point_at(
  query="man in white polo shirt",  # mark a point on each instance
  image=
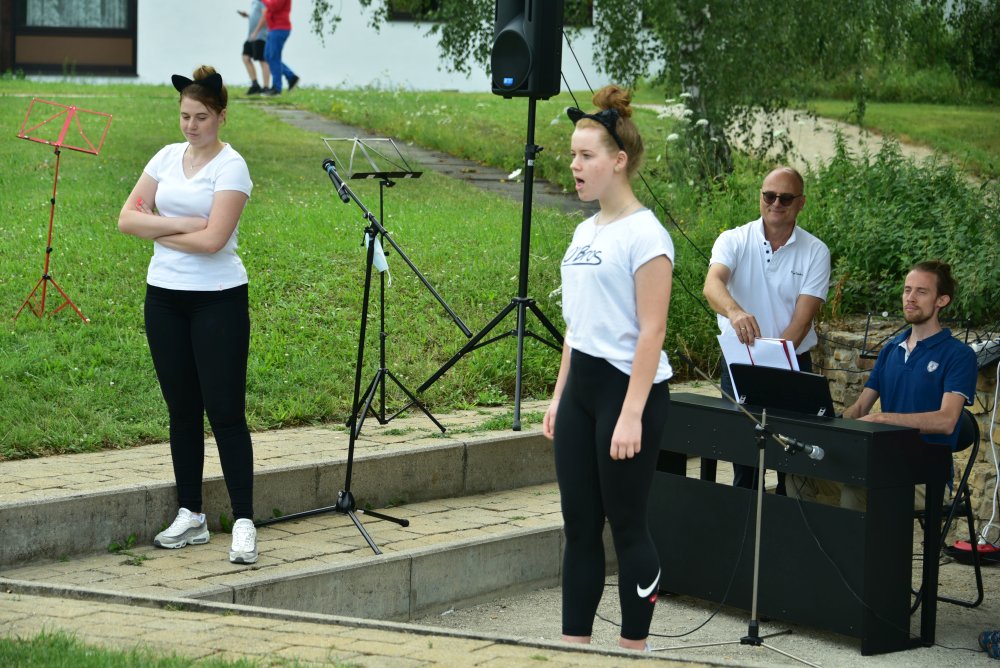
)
(769, 278)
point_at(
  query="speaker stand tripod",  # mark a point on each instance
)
(522, 303)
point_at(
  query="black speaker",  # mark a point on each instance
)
(527, 48)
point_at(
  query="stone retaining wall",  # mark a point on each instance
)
(839, 357)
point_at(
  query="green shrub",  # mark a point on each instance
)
(882, 213)
(899, 82)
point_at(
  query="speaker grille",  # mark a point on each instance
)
(510, 60)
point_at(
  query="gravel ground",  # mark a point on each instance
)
(535, 616)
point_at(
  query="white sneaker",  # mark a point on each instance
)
(244, 547)
(187, 528)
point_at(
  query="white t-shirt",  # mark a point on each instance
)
(177, 195)
(598, 286)
(767, 283)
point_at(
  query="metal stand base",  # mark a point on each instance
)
(346, 506)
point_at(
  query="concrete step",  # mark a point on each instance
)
(454, 552)
(65, 506)
(482, 508)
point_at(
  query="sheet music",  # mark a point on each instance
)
(778, 353)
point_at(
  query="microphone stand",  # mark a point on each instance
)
(761, 434)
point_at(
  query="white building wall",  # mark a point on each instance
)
(175, 36)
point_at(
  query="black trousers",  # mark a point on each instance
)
(200, 343)
(593, 486)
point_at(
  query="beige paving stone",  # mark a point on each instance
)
(329, 642)
(317, 654)
(380, 661)
(244, 644)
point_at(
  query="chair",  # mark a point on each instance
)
(961, 505)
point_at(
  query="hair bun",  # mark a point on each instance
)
(203, 72)
(614, 97)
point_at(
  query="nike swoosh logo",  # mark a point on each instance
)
(644, 593)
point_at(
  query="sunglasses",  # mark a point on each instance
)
(784, 198)
(608, 118)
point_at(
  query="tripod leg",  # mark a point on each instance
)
(361, 412)
(364, 534)
(27, 302)
(68, 302)
(383, 516)
(470, 345)
(518, 366)
(547, 324)
(413, 402)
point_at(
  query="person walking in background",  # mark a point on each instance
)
(188, 201)
(609, 406)
(253, 48)
(279, 27)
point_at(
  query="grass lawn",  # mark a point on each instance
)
(69, 386)
(969, 134)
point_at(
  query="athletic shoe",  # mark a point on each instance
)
(187, 529)
(270, 91)
(293, 82)
(254, 89)
(244, 547)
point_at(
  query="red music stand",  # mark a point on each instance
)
(53, 133)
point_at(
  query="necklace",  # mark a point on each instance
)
(601, 226)
(194, 165)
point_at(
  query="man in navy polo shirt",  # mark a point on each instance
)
(923, 377)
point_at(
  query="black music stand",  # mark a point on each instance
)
(380, 158)
(346, 503)
(782, 389)
(761, 434)
(522, 303)
(43, 130)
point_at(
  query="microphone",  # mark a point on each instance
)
(687, 360)
(331, 169)
(793, 445)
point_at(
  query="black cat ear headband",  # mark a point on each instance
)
(212, 82)
(608, 118)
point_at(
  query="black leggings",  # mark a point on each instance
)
(200, 342)
(592, 486)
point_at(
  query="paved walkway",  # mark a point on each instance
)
(482, 176)
(235, 632)
(144, 597)
(814, 138)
